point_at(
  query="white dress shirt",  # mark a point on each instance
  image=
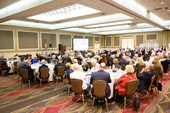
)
(79, 75)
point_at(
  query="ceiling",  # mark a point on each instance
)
(155, 6)
(111, 16)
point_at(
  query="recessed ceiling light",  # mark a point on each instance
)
(72, 11)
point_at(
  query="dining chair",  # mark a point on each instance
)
(44, 75)
(25, 76)
(60, 73)
(99, 87)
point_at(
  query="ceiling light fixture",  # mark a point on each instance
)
(72, 11)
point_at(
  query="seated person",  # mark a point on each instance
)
(116, 64)
(5, 66)
(30, 71)
(95, 65)
(132, 62)
(101, 75)
(165, 64)
(103, 59)
(43, 62)
(75, 61)
(68, 70)
(110, 61)
(57, 65)
(121, 82)
(79, 75)
(145, 77)
(54, 60)
(21, 63)
(34, 60)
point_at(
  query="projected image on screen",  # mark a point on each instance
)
(80, 44)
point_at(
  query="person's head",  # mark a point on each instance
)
(132, 62)
(115, 61)
(22, 59)
(129, 69)
(112, 56)
(43, 62)
(75, 61)
(2, 56)
(60, 61)
(53, 57)
(93, 62)
(68, 65)
(149, 67)
(35, 57)
(117, 55)
(140, 61)
(76, 67)
(102, 66)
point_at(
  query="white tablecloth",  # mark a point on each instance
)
(113, 77)
(50, 66)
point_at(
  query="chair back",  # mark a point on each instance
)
(131, 87)
(17, 70)
(140, 67)
(99, 88)
(77, 85)
(24, 74)
(150, 85)
(60, 71)
(168, 70)
(44, 72)
(146, 59)
(0, 67)
(123, 67)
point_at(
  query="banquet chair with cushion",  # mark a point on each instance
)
(2, 71)
(44, 74)
(77, 88)
(25, 76)
(18, 72)
(60, 73)
(131, 90)
(99, 87)
(149, 88)
(69, 86)
(140, 67)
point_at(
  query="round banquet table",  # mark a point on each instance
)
(50, 66)
(113, 76)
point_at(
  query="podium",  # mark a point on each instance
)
(63, 49)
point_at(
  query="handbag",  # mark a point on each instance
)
(159, 86)
(136, 102)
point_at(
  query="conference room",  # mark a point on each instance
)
(84, 56)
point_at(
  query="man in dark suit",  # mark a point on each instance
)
(163, 47)
(101, 75)
(57, 65)
(30, 71)
(145, 77)
(59, 48)
(143, 51)
(165, 64)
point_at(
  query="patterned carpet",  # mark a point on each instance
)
(50, 98)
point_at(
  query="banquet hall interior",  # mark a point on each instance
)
(92, 56)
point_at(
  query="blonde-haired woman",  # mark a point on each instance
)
(140, 61)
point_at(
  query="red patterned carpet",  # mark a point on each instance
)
(50, 98)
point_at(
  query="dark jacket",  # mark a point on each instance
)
(56, 66)
(123, 62)
(102, 75)
(165, 64)
(30, 71)
(144, 80)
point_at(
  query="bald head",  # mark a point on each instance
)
(76, 67)
(75, 61)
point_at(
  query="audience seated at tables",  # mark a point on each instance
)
(121, 82)
(4, 65)
(21, 63)
(79, 75)
(68, 70)
(57, 65)
(95, 65)
(34, 60)
(145, 77)
(116, 64)
(43, 62)
(75, 61)
(101, 75)
(30, 71)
